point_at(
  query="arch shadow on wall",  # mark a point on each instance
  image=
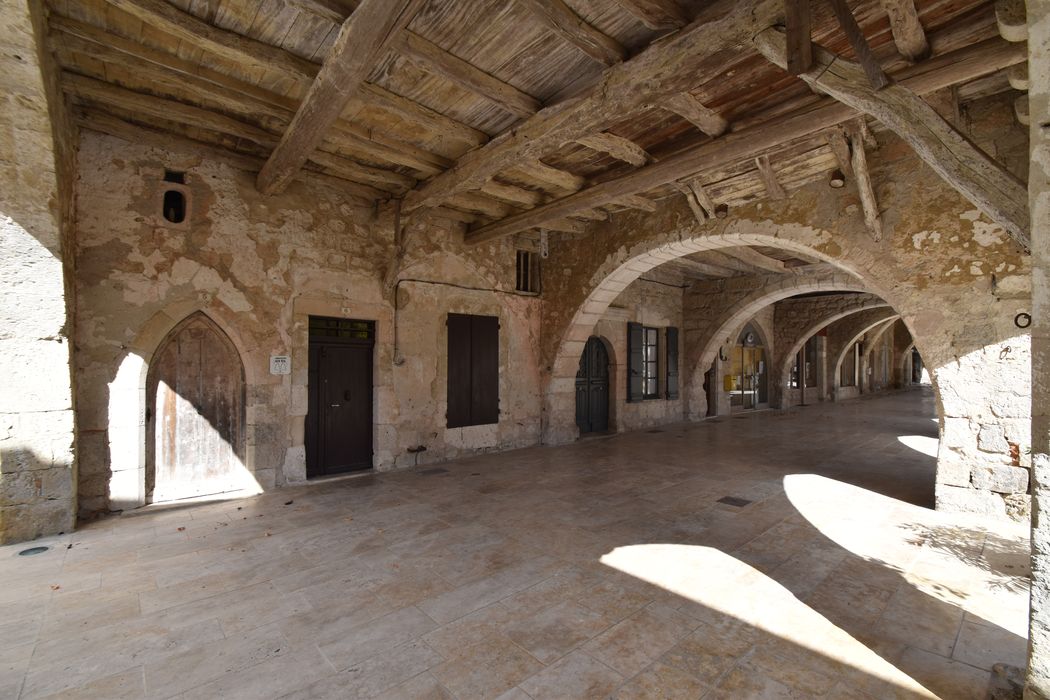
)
(130, 409)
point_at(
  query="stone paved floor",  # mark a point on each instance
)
(607, 567)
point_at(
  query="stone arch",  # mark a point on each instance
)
(127, 401)
(925, 266)
(704, 345)
(795, 340)
(846, 335)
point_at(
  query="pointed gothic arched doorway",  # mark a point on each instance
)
(592, 388)
(194, 414)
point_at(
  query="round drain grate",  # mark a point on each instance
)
(33, 550)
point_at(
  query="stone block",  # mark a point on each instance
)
(954, 499)
(1001, 479)
(991, 438)
(953, 473)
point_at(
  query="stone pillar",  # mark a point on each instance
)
(1038, 676)
(37, 465)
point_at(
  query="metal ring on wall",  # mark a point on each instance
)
(1023, 320)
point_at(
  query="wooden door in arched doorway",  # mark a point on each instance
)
(195, 414)
(592, 388)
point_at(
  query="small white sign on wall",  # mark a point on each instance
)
(280, 364)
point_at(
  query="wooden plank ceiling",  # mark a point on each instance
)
(508, 115)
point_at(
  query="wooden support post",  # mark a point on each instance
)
(859, 42)
(836, 139)
(868, 201)
(769, 179)
(908, 33)
(656, 14)
(799, 36)
(978, 177)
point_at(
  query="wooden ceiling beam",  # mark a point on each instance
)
(363, 39)
(707, 268)
(556, 177)
(748, 143)
(231, 93)
(616, 146)
(691, 109)
(986, 183)
(752, 257)
(171, 110)
(561, 20)
(799, 36)
(633, 201)
(657, 15)
(670, 66)
(839, 145)
(257, 55)
(511, 194)
(433, 58)
(908, 34)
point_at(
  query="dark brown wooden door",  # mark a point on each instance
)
(339, 414)
(592, 388)
(195, 419)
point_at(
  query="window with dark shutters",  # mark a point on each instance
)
(635, 362)
(672, 363)
(473, 370)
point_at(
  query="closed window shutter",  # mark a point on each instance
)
(459, 371)
(672, 363)
(484, 378)
(635, 363)
(473, 370)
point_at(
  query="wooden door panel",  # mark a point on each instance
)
(196, 382)
(592, 388)
(346, 408)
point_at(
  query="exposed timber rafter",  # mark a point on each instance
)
(624, 89)
(747, 143)
(839, 145)
(656, 14)
(691, 109)
(616, 146)
(433, 58)
(755, 259)
(859, 43)
(561, 20)
(799, 36)
(769, 178)
(364, 37)
(907, 30)
(955, 158)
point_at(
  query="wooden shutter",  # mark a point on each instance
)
(484, 370)
(473, 370)
(635, 362)
(459, 371)
(672, 363)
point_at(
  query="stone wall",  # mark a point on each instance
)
(259, 267)
(37, 459)
(653, 301)
(1038, 687)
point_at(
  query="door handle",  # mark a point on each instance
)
(335, 405)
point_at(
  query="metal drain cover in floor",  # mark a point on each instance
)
(436, 470)
(734, 501)
(33, 550)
